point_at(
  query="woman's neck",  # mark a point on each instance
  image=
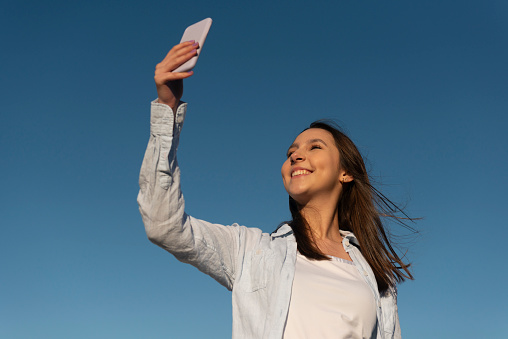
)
(323, 221)
(324, 225)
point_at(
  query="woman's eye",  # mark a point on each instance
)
(289, 154)
(315, 147)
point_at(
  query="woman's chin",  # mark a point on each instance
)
(302, 199)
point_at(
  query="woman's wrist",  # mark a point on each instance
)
(173, 104)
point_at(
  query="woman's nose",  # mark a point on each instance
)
(297, 156)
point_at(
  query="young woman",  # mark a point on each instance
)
(328, 273)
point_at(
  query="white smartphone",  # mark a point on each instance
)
(198, 33)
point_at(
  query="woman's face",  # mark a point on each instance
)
(312, 168)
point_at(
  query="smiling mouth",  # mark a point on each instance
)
(300, 172)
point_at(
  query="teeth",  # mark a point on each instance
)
(299, 172)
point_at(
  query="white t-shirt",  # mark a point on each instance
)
(330, 299)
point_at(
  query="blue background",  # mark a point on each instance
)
(421, 87)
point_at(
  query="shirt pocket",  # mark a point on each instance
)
(258, 270)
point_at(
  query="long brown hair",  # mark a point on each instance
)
(360, 210)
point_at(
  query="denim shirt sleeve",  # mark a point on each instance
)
(397, 334)
(212, 248)
(391, 314)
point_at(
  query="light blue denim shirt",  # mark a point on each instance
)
(257, 267)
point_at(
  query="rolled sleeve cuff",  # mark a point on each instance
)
(162, 119)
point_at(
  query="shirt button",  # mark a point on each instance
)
(365, 273)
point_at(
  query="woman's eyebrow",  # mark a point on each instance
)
(316, 140)
(295, 144)
(292, 145)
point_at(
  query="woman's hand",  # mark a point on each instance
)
(170, 85)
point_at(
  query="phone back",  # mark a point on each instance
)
(196, 32)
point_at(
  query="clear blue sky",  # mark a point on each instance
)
(421, 87)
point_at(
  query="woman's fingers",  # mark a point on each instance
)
(175, 58)
(179, 47)
(178, 55)
(183, 48)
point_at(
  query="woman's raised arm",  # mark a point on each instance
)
(214, 249)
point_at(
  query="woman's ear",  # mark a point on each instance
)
(344, 177)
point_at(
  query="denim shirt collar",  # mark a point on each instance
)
(284, 230)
